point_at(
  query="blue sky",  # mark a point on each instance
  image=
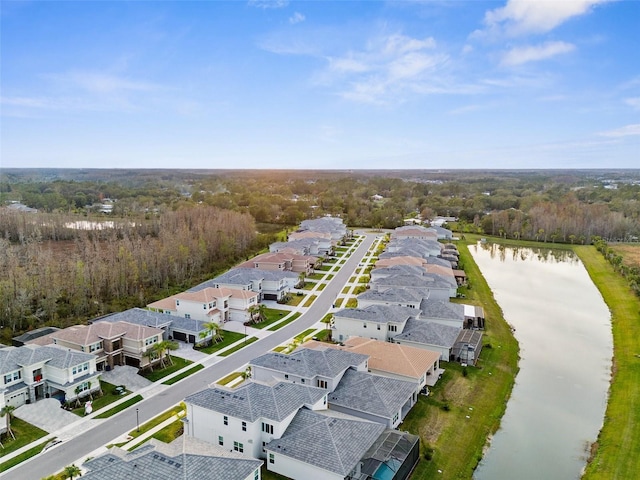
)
(336, 85)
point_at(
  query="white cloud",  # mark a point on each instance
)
(520, 17)
(626, 131)
(633, 102)
(531, 53)
(100, 82)
(268, 4)
(296, 18)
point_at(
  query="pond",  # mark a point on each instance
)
(563, 327)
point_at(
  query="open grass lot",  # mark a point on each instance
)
(630, 253)
(617, 453)
(441, 419)
(271, 315)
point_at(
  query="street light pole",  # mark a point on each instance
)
(138, 420)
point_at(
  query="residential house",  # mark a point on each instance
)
(113, 343)
(185, 457)
(269, 285)
(373, 397)
(391, 359)
(401, 297)
(283, 262)
(413, 231)
(380, 322)
(317, 446)
(444, 312)
(319, 368)
(32, 372)
(430, 336)
(432, 286)
(442, 233)
(467, 347)
(247, 418)
(209, 304)
(331, 225)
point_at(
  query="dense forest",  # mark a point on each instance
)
(168, 229)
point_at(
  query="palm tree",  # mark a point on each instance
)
(258, 312)
(170, 345)
(213, 330)
(77, 391)
(7, 411)
(71, 471)
(158, 352)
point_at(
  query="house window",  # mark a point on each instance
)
(187, 315)
(302, 380)
(378, 326)
(244, 426)
(395, 418)
(267, 428)
(225, 420)
(393, 328)
(256, 475)
(364, 325)
(95, 346)
(286, 376)
(212, 304)
(151, 341)
(264, 444)
(80, 368)
(322, 383)
(238, 447)
(204, 306)
(272, 458)
(177, 303)
(220, 440)
(12, 377)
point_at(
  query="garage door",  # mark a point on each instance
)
(180, 336)
(17, 399)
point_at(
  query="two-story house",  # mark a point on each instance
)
(269, 285)
(113, 343)
(318, 368)
(32, 372)
(245, 419)
(380, 322)
(209, 304)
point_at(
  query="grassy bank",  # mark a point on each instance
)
(616, 453)
(463, 410)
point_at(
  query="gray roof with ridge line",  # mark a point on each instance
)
(394, 295)
(335, 444)
(14, 358)
(441, 309)
(429, 333)
(308, 363)
(372, 394)
(379, 313)
(179, 459)
(254, 400)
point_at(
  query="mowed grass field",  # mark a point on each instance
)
(616, 455)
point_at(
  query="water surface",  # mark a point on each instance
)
(564, 330)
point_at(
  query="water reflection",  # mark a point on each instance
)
(564, 330)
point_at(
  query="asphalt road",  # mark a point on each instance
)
(83, 444)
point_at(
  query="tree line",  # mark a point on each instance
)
(60, 280)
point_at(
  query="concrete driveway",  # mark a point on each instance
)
(46, 414)
(127, 376)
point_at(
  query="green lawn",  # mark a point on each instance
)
(616, 455)
(271, 315)
(123, 406)
(301, 336)
(352, 303)
(158, 420)
(184, 374)
(159, 373)
(229, 338)
(284, 322)
(295, 300)
(310, 300)
(24, 432)
(248, 341)
(108, 396)
(230, 378)
(32, 452)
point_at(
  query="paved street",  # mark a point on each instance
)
(94, 437)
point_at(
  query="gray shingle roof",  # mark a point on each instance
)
(139, 316)
(378, 313)
(441, 309)
(243, 276)
(254, 400)
(399, 270)
(330, 443)
(179, 459)
(373, 394)
(13, 358)
(308, 363)
(413, 281)
(429, 333)
(404, 295)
